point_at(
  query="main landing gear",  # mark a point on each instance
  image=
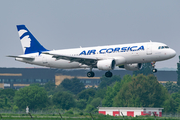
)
(90, 74)
(153, 65)
(107, 74)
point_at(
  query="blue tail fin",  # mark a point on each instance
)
(28, 41)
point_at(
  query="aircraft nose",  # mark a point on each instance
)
(172, 53)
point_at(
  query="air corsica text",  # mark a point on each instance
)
(111, 50)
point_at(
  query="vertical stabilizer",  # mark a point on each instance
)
(28, 41)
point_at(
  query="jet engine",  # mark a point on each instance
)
(108, 64)
(133, 67)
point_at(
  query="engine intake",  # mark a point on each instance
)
(108, 64)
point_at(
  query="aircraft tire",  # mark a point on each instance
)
(154, 70)
(90, 74)
(108, 74)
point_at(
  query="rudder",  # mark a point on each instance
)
(28, 41)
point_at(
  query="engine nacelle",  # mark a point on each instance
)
(133, 67)
(108, 64)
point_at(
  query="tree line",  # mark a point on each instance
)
(130, 91)
(139, 90)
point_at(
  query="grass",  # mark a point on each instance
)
(71, 116)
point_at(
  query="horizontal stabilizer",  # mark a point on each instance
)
(23, 57)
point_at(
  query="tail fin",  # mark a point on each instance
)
(28, 41)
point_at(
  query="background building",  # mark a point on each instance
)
(130, 111)
(19, 77)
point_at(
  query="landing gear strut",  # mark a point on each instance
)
(90, 73)
(153, 65)
(108, 74)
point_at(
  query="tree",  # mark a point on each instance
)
(6, 98)
(63, 100)
(74, 85)
(108, 99)
(49, 86)
(145, 70)
(108, 81)
(81, 104)
(85, 94)
(100, 93)
(60, 88)
(96, 102)
(5, 102)
(143, 91)
(8, 92)
(178, 72)
(176, 100)
(170, 105)
(15, 108)
(126, 79)
(32, 96)
(89, 108)
(172, 87)
(112, 91)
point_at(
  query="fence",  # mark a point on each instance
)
(41, 115)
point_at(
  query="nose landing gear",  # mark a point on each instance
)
(153, 65)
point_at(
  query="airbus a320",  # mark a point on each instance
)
(128, 56)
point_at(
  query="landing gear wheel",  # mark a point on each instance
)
(90, 74)
(154, 70)
(108, 74)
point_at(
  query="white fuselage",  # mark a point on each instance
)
(123, 54)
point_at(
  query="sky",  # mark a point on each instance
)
(61, 24)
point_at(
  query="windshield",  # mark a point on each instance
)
(163, 47)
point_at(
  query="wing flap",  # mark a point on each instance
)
(81, 59)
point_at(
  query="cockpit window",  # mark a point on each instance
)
(163, 47)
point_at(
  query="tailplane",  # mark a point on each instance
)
(28, 41)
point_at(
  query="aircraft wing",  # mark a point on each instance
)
(81, 59)
(24, 57)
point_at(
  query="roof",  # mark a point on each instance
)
(166, 75)
(42, 73)
(129, 108)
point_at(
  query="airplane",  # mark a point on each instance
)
(128, 56)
